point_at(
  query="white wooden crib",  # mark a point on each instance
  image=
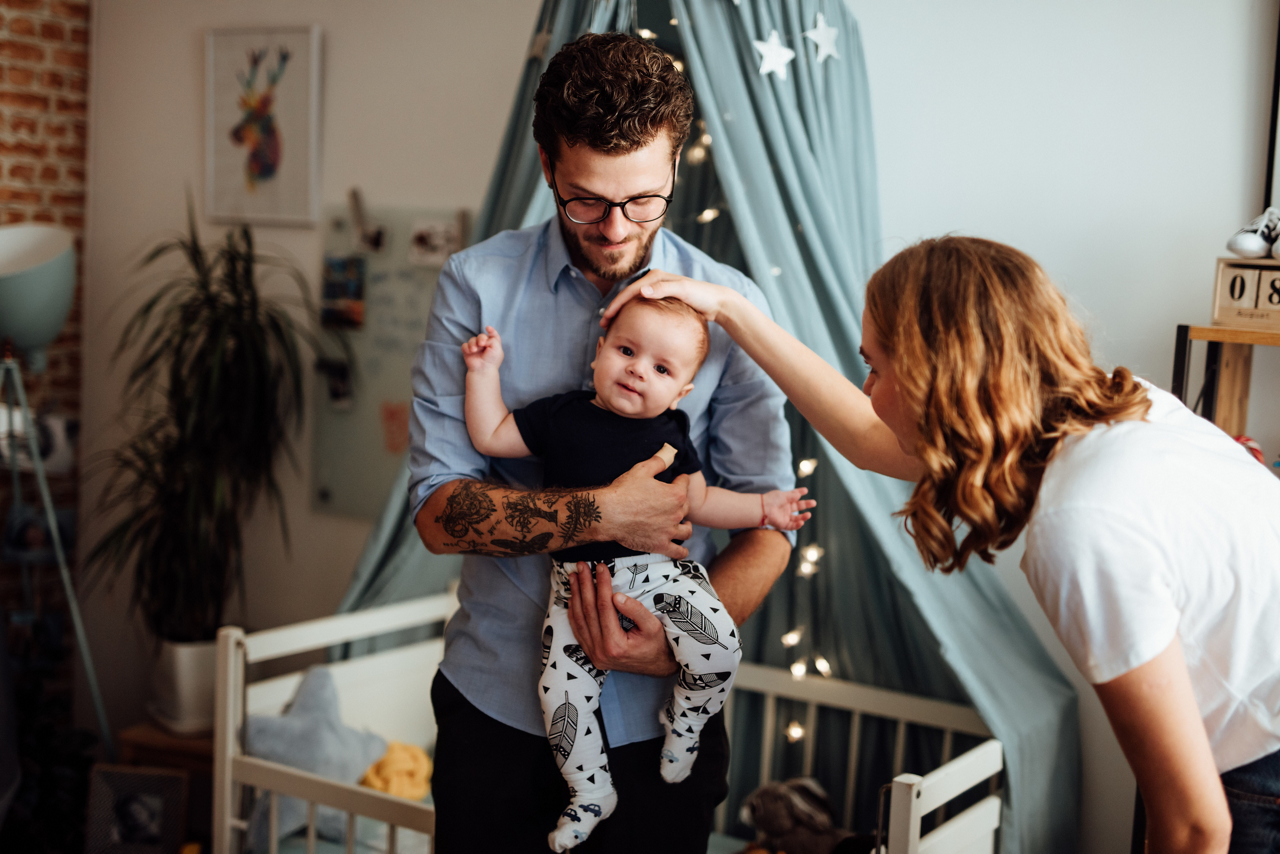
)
(389, 693)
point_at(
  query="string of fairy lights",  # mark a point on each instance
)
(810, 563)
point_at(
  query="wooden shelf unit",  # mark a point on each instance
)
(1228, 368)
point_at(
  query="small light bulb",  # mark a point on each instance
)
(822, 665)
(795, 732)
(798, 670)
(646, 34)
(696, 155)
(812, 553)
(708, 215)
(675, 22)
(705, 139)
(807, 568)
(806, 467)
(792, 637)
(679, 65)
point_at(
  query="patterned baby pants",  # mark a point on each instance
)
(705, 643)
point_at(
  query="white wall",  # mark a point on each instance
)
(1119, 144)
(416, 97)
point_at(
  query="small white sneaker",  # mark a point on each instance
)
(1256, 239)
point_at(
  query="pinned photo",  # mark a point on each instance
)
(342, 296)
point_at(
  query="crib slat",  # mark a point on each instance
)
(273, 823)
(810, 737)
(391, 839)
(899, 747)
(311, 827)
(947, 747)
(851, 775)
(767, 737)
(351, 833)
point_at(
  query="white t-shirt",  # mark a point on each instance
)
(1147, 528)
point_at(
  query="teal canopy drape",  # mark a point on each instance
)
(793, 174)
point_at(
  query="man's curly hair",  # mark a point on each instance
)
(612, 92)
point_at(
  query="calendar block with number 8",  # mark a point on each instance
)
(1246, 293)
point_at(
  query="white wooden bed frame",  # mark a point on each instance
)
(389, 693)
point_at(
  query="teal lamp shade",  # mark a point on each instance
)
(37, 284)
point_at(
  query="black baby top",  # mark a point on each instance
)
(583, 445)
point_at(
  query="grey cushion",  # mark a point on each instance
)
(309, 736)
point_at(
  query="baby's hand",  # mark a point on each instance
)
(783, 510)
(483, 351)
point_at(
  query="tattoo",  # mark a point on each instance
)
(471, 519)
(581, 511)
(467, 507)
(522, 509)
(525, 545)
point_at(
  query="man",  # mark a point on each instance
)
(611, 115)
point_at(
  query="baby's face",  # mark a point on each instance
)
(646, 362)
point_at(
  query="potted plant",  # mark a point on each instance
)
(217, 387)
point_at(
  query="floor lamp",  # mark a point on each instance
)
(37, 284)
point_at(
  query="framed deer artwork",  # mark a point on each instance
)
(262, 146)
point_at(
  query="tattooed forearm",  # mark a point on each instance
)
(580, 512)
(528, 522)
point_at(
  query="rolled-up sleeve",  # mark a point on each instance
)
(440, 449)
(750, 446)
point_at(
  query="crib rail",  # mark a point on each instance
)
(233, 770)
(860, 700)
(971, 832)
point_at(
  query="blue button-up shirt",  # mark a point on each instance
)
(523, 284)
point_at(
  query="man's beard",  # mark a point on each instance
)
(613, 274)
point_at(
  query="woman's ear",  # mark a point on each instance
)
(683, 393)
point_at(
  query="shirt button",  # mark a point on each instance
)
(600, 313)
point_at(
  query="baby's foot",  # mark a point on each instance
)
(677, 757)
(679, 749)
(585, 811)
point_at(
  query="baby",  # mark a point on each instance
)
(644, 365)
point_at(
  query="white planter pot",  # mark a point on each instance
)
(182, 686)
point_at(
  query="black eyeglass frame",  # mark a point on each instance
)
(609, 206)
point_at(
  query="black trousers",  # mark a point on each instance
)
(497, 789)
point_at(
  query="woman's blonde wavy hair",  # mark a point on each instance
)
(997, 369)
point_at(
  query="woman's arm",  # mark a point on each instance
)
(833, 405)
(490, 424)
(1153, 711)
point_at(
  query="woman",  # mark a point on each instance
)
(1153, 540)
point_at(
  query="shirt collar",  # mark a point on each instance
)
(559, 265)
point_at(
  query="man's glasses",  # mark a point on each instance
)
(587, 210)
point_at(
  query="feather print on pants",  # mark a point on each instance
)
(687, 618)
(564, 730)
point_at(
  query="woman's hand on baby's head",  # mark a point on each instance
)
(656, 284)
(483, 350)
(785, 510)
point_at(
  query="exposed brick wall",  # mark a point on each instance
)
(44, 63)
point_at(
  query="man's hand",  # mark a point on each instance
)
(645, 514)
(593, 613)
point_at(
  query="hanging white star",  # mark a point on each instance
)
(824, 37)
(774, 55)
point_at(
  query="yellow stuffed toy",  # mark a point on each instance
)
(404, 771)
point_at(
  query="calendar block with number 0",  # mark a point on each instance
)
(1246, 293)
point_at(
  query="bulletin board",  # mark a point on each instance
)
(378, 292)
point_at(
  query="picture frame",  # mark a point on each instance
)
(136, 810)
(262, 125)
